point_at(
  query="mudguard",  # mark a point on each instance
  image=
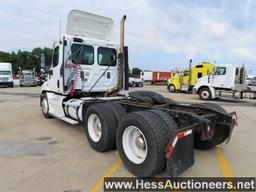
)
(180, 154)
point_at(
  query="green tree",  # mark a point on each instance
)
(136, 72)
(26, 59)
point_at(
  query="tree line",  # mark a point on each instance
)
(26, 59)
(31, 60)
(135, 72)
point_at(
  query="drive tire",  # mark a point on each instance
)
(104, 114)
(118, 110)
(169, 101)
(140, 84)
(213, 106)
(133, 84)
(170, 124)
(217, 107)
(217, 138)
(156, 140)
(205, 94)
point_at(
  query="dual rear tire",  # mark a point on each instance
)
(141, 137)
(141, 141)
(101, 121)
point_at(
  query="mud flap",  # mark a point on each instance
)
(182, 156)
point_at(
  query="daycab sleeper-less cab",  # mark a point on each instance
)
(151, 132)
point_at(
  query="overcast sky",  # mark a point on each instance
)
(160, 34)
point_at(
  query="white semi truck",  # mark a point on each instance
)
(225, 79)
(151, 132)
(6, 77)
(27, 78)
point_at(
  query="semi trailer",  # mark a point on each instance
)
(151, 132)
(155, 77)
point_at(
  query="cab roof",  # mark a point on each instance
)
(89, 25)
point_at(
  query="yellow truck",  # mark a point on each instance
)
(186, 80)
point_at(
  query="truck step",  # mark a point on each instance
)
(70, 121)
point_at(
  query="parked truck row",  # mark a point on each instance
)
(186, 80)
(25, 77)
(210, 81)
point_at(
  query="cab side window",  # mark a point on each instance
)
(220, 71)
(82, 54)
(55, 57)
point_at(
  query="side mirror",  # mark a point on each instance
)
(49, 71)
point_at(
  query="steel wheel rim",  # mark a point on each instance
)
(45, 106)
(94, 127)
(205, 94)
(134, 144)
(171, 88)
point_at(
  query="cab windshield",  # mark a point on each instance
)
(27, 74)
(220, 71)
(5, 72)
(186, 73)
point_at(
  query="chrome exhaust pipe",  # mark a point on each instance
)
(121, 52)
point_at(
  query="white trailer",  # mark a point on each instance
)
(151, 132)
(146, 75)
(226, 78)
(6, 77)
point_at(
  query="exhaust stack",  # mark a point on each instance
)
(190, 73)
(122, 54)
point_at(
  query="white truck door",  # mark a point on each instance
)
(99, 65)
(220, 77)
(55, 82)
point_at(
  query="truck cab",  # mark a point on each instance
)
(225, 77)
(27, 78)
(85, 52)
(88, 72)
(187, 78)
(6, 76)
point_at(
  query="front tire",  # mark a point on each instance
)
(171, 88)
(45, 106)
(140, 84)
(205, 94)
